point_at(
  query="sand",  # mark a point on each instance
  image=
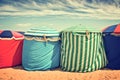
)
(18, 73)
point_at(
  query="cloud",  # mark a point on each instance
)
(1, 25)
(72, 8)
(24, 24)
(8, 8)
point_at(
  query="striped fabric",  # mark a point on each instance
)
(80, 53)
(42, 31)
(41, 49)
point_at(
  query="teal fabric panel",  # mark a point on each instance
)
(40, 55)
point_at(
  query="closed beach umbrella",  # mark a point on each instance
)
(111, 37)
(82, 49)
(41, 49)
(10, 48)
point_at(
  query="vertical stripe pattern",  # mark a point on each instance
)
(82, 54)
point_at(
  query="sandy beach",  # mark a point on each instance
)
(18, 73)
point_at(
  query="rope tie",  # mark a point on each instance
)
(87, 34)
(44, 37)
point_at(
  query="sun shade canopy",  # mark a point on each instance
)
(41, 31)
(113, 29)
(7, 34)
(81, 28)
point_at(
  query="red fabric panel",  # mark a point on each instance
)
(10, 52)
(117, 29)
(17, 35)
(0, 31)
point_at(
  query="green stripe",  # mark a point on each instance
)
(97, 56)
(67, 49)
(96, 52)
(69, 59)
(64, 54)
(101, 55)
(93, 53)
(86, 49)
(74, 54)
(70, 48)
(71, 52)
(102, 51)
(103, 60)
(81, 50)
(90, 54)
(83, 56)
(78, 56)
(61, 61)
(63, 48)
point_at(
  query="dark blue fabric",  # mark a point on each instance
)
(6, 34)
(110, 29)
(112, 48)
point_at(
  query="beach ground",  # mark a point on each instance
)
(18, 73)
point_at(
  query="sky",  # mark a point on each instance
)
(21, 15)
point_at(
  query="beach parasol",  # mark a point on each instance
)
(10, 48)
(111, 38)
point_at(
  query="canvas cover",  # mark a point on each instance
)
(11, 44)
(111, 37)
(82, 50)
(41, 49)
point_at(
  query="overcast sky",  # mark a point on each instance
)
(59, 14)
